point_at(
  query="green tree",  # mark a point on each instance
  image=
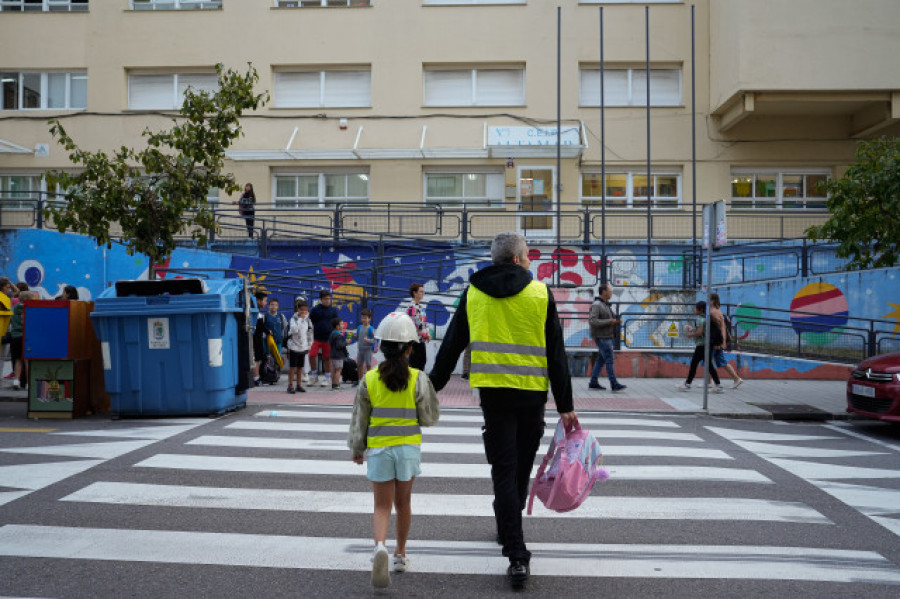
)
(159, 192)
(865, 207)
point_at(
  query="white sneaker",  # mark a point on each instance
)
(17, 384)
(737, 383)
(719, 389)
(381, 576)
(305, 379)
(401, 563)
(324, 381)
(684, 387)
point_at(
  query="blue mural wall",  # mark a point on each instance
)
(48, 261)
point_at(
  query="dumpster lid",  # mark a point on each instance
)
(160, 287)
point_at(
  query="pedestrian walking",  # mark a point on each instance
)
(337, 346)
(392, 402)
(603, 330)
(518, 353)
(299, 338)
(698, 333)
(365, 342)
(719, 359)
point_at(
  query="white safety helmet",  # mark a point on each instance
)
(398, 327)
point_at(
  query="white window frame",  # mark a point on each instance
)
(471, 2)
(44, 6)
(779, 201)
(496, 182)
(176, 5)
(474, 99)
(177, 99)
(44, 89)
(632, 99)
(630, 201)
(320, 200)
(324, 3)
(278, 102)
(16, 203)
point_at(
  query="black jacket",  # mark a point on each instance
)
(506, 280)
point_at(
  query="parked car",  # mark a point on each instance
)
(873, 389)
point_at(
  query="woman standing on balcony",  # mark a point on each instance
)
(415, 311)
(247, 206)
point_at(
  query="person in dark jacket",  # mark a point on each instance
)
(518, 353)
(603, 330)
(321, 316)
(247, 207)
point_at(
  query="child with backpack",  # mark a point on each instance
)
(299, 339)
(698, 333)
(337, 343)
(365, 342)
(392, 403)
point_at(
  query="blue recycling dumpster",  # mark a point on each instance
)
(173, 347)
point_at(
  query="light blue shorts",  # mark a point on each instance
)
(719, 358)
(401, 462)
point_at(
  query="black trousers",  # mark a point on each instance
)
(417, 358)
(249, 219)
(695, 360)
(511, 440)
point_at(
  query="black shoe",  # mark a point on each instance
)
(618, 387)
(464, 376)
(301, 390)
(596, 386)
(518, 573)
(290, 390)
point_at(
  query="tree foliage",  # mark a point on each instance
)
(159, 192)
(865, 207)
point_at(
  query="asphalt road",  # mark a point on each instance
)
(260, 505)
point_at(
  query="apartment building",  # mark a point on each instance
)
(411, 104)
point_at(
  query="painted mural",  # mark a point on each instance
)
(653, 306)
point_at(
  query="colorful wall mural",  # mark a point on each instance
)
(48, 261)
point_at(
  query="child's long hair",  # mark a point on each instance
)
(394, 371)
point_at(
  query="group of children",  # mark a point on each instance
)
(298, 338)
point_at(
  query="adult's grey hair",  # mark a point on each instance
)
(603, 286)
(506, 245)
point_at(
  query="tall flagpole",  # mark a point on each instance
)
(649, 180)
(603, 277)
(558, 189)
(694, 254)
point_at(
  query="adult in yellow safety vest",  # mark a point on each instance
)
(510, 324)
(392, 402)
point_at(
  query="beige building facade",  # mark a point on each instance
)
(426, 107)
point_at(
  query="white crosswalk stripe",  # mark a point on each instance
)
(295, 463)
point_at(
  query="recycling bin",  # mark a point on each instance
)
(172, 347)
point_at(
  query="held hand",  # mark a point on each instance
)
(569, 419)
(358, 459)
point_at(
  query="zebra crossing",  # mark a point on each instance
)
(679, 486)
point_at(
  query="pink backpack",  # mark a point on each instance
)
(569, 470)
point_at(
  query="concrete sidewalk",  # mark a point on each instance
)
(656, 395)
(642, 395)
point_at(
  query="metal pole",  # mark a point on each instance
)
(558, 134)
(649, 180)
(603, 275)
(693, 146)
(707, 354)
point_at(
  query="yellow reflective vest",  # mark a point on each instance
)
(393, 420)
(508, 338)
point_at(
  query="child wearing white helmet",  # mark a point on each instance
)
(392, 403)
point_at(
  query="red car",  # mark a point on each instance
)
(874, 388)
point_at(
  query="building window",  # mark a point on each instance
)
(20, 191)
(628, 189)
(772, 189)
(474, 87)
(176, 4)
(322, 3)
(467, 187)
(43, 90)
(321, 189)
(44, 5)
(628, 87)
(318, 89)
(166, 92)
(631, 1)
(470, 2)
